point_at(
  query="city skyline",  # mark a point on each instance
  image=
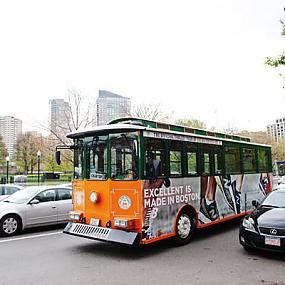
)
(54, 106)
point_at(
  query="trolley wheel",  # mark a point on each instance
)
(10, 225)
(185, 226)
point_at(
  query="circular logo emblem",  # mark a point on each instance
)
(273, 231)
(124, 202)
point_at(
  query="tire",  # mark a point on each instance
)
(10, 225)
(185, 226)
(247, 248)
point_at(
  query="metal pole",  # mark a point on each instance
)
(7, 170)
(38, 170)
(39, 164)
(7, 179)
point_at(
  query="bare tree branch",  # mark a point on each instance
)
(149, 111)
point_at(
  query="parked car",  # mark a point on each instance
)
(279, 186)
(34, 206)
(8, 189)
(264, 228)
(281, 180)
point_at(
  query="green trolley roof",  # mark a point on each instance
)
(176, 128)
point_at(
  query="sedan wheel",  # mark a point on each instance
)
(10, 225)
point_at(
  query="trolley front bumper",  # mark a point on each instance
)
(100, 233)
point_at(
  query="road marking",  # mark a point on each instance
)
(30, 237)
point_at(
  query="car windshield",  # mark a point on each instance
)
(275, 199)
(22, 196)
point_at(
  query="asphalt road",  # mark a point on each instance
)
(46, 256)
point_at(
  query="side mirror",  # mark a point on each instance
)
(57, 157)
(34, 202)
(255, 203)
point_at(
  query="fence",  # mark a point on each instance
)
(32, 179)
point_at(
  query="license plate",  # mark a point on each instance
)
(94, 222)
(273, 241)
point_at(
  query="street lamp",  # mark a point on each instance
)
(39, 163)
(7, 173)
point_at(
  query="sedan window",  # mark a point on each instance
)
(10, 190)
(46, 196)
(64, 194)
(23, 196)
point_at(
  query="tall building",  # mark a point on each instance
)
(10, 129)
(277, 131)
(59, 116)
(110, 106)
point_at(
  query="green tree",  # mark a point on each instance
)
(3, 152)
(257, 137)
(27, 147)
(278, 150)
(192, 123)
(49, 157)
(280, 59)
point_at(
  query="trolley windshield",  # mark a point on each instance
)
(112, 156)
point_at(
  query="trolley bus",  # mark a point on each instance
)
(138, 181)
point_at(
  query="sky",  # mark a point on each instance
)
(198, 59)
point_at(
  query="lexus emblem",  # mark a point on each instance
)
(273, 231)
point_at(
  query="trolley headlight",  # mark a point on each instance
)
(93, 197)
(75, 216)
(248, 224)
(125, 223)
(122, 223)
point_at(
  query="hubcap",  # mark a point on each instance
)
(10, 225)
(184, 226)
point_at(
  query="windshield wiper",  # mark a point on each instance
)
(7, 201)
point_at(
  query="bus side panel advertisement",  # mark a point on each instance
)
(213, 197)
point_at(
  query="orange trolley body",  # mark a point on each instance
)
(138, 181)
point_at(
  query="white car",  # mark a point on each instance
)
(34, 206)
(281, 180)
(7, 189)
(279, 186)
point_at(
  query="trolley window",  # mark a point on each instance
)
(154, 158)
(124, 156)
(175, 158)
(97, 158)
(78, 160)
(263, 160)
(191, 151)
(232, 160)
(249, 160)
(218, 161)
(205, 158)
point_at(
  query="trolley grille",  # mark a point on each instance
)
(91, 231)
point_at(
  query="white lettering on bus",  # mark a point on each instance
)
(157, 197)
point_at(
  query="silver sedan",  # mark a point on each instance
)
(34, 206)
